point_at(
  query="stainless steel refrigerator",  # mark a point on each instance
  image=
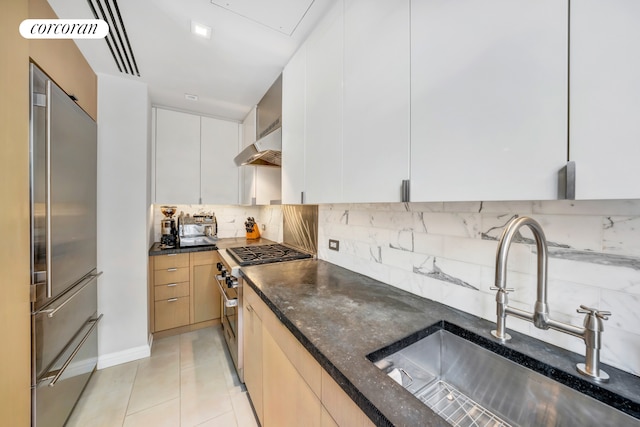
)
(64, 318)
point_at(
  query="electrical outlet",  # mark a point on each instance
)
(334, 245)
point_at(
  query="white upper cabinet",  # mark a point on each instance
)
(219, 173)
(605, 98)
(194, 159)
(324, 112)
(293, 127)
(259, 185)
(376, 144)
(488, 99)
(177, 163)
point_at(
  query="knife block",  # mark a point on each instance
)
(253, 234)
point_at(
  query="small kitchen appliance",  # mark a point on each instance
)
(169, 237)
(197, 230)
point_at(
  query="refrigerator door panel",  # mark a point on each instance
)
(55, 327)
(64, 155)
(56, 394)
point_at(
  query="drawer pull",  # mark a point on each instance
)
(249, 308)
(171, 285)
(172, 300)
(172, 254)
(172, 269)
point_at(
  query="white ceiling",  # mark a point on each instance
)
(252, 40)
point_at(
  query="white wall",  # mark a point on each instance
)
(446, 252)
(123, 213)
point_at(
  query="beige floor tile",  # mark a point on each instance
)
(165, 346)
(198, 347)
(157, 381)
(104, 401)
(243, 410)
(228, 419)
(203, 394)
(164, 415)
(189, 380)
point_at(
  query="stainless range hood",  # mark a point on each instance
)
(267, 150)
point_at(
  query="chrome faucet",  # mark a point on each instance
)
(590, 333)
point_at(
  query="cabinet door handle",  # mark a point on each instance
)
(171, 285)
(249, 308)
(172, 300)
(172, 269)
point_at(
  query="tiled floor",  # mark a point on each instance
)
(189, 380)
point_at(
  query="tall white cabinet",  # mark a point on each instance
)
(294, 78)
(469, 100)
(488, 99)
(376, 145)
(193, 161)
(177, 157)
(324, 112)
(346, 107)
(605, 98)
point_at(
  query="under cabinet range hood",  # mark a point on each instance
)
(267, 150)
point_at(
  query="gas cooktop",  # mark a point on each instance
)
(264, 254)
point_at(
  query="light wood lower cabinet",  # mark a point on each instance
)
(285, 383)
(183, 292)
(252, 328)
(205, 291)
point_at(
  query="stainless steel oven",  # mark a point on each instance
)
(230, 282)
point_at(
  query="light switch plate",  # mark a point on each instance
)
(334, 245)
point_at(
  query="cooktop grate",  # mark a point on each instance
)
(265, 254)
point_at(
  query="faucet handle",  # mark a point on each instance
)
(604, 315)
(495, 288)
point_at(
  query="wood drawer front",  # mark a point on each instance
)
(171, 290)
(171, 313)
(171, 275)
(204, 258)
(162, 262)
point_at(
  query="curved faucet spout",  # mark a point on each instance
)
(592, 329)
(541, 312)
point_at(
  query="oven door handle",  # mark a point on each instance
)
(227, 302)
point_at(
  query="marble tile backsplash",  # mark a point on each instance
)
(446, 252)
(231, 219)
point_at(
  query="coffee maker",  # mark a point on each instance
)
(168, 227)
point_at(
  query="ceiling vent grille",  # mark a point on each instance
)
(116, 39)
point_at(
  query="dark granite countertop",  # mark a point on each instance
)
(223, 243)
(340, 317)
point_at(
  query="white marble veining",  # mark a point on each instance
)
(446, 252)
(231, 219)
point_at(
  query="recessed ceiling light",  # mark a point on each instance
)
(200, 30)
(190, 97)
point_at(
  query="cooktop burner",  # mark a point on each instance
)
(264, 254)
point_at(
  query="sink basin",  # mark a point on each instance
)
(466, 384)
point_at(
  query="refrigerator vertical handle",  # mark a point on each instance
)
(48, 189)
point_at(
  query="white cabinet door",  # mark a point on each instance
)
(248, 173)
(220, 175)
(293, 127)
(604, 120)
(177, 169)
(488, 99)
(376, 100)
(323, 124)
(268, 185)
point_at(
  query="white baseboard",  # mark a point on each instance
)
(120, 357)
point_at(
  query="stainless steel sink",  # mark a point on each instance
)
(468, 385)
